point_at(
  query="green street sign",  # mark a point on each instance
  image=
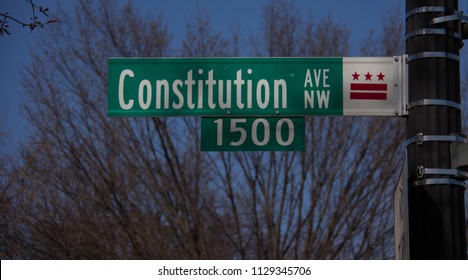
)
(252, 134)
(225, 86)
(256, 86)
(256, 104)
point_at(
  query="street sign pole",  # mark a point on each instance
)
(436, 188)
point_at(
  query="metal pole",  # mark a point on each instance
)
(436, 189)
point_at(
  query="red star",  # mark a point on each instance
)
(355, 76)
(381, 76)
(368, 76)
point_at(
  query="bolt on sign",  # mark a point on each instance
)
(255, 87)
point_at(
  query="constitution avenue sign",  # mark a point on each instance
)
(234, 87)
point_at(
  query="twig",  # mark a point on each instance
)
(32, 24)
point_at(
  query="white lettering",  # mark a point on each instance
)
(263, 103)
(309, 99)
(144, 104)
(222, 104)
(323, 98)
(160, 84)
(308, 79)
(317, 76)
(195, 92)
(239, 82)
(284, 92)
(190, 83)
(266, 132)
(249, 93)
(279, 137)
(325, 78)
(210, 83)
(200, 94)
(123, 105)
(176, 90)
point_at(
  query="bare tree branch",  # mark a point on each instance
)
(33, 20)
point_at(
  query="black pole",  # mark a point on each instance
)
(436, 190)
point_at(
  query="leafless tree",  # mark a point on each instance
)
(88, 186)
(389, 39)
(201, 40)
(280, 31)
(334, 38)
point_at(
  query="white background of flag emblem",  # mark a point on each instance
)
(366, 81)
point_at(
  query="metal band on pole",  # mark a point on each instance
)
(433, 31)
(425, 9)
(439, 181)
(433, 102)
(420, 139)
(442, 171)
(457, 16)
(433, 55)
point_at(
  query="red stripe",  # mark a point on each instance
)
(369, 87)
(369, 95)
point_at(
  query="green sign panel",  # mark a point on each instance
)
(252, 134)
(225, 86)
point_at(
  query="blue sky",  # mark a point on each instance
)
(359, 16)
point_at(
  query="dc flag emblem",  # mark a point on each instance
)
(368, 89)
(368, 85)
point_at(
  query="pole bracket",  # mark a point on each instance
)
(421, 55)
(433, 102)
(420, 138)
(457, 16)
(434, 31)
(421, 172)
(438, 181)
(425, 9)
